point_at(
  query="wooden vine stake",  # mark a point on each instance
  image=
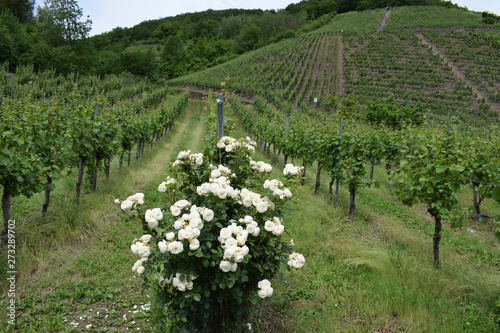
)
(220, 121)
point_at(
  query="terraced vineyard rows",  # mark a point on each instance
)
(430, 16)
(299, 69)
(373, 65)
(475, 53)
(397, 63)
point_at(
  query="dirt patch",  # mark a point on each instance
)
(384, 19)
(340, 68)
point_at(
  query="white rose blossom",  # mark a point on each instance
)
(175, 211)
(131, 203)
(261, 206)
(183, 282)
(163, 186)
(225, 266)
(182, 204)
(265, 289)
(138, 268)
(145, 238)
(261, 166)
(183, 154)
(141, 249)
(137, 199)
(292, 170)
(163, 246)
(296, 260)
(175, 247)
(126, 205)
(194, 244)
(208, 214)
(152, 217)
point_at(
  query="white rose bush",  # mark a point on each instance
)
(212, 248)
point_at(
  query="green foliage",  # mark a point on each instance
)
(360, 277)
(19, 168)
(313, 8)
(490, 18)
(49, 126)
(432, 16)
(388, 113)
(137, 62)
(482, 167)
(60, 21)
(248, 38)
(22, 9)
(373, 4)
(14, 40)
(432, 172)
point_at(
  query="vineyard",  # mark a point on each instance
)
(474, 54)
(104, 118)
(374, 66)
(397, 66)
(279, 72)
(431, 17)
(398, 135)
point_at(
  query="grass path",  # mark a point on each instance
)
(87, 285)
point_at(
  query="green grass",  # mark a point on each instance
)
(376, 273)
(373, 274)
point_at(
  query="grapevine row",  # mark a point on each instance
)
(44, 138)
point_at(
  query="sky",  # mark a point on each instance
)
(109, 14)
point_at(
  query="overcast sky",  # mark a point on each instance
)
(109, 14)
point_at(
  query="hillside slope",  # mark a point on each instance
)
(444, 59)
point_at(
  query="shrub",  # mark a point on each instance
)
(211, 251)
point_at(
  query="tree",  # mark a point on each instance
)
(22, 9)
(173, 57)
(60, 22)
(15, 41)
(138, 62)
(231, 26)
(247, 39)
(313, 8)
